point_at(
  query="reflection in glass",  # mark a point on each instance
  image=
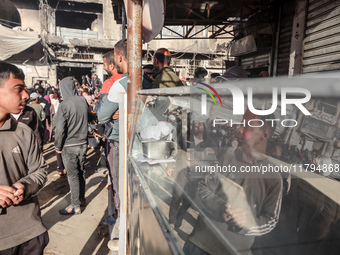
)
(228, 184)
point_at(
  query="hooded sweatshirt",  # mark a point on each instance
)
(71, 119)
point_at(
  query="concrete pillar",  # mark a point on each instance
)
(52, 75)
(100, 72)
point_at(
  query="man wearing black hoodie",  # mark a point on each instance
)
(71, 140)
(43, 102)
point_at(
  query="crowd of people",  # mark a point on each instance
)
(30, 117)
(225, 136)
(250, 212)
(62, 112)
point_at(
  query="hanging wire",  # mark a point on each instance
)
(181, 55)
(9, 21)
(56, 7)
(186, 50)
(6, 25)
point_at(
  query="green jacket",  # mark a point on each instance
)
(166, 78)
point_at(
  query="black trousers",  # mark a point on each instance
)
(60, 164)
(183, 192)
(190, 249)
(34, 246)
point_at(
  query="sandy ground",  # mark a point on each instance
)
(78, 234)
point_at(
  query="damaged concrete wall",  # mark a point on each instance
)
(111, 29)
(52, 75)
(99, 70)
(36, 71)
(204, 46)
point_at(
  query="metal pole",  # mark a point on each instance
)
(134, 47)
(134, 83)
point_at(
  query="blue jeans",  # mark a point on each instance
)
(74, 161)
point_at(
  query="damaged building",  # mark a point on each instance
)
(283, 38)
(289, 38)
(69, 37)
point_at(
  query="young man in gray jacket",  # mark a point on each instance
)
(22, 172)
(71, 126)
(105, 113)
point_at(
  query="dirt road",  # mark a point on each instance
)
(79, 234)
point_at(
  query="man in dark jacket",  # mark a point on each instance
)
(43, 102)
(164, 77)
(29, 117)
(96, 82)
(71, 140)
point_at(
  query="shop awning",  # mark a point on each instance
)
(153, 18)
(13, 41)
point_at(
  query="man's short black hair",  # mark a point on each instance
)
(162, 58)
(200, 72)
(40, 90)
(109, 56)
(149, 66)
(6, 69)
(121, 47)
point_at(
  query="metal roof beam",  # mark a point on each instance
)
(189, 31)
(173, 31)
(218, 31)
(192, 7)
(78, 11)
(254, 11)
(206, 27)
(208, 10)
(229, 2)
(182, 22)
(192, 11)
(174, 11)
(228, 32)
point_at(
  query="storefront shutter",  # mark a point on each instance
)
(322, 41)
